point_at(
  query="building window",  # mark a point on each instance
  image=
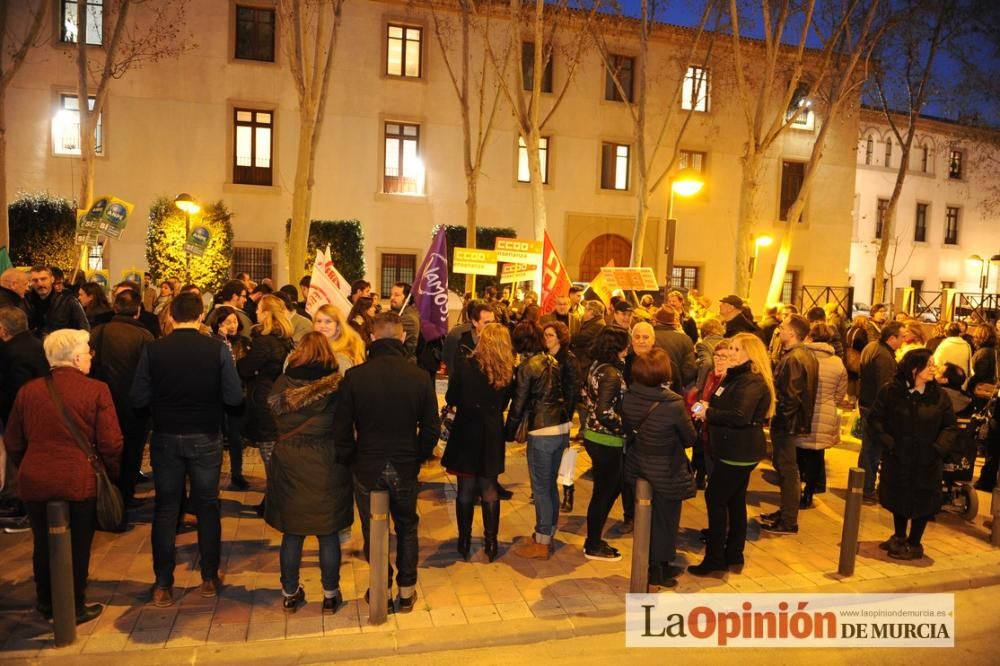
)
(252, 152)
(528, 68)
(880, 210)
(947, 284)
(685, 277)
(955, 164)
(254, 34)
(258, 262)
(94, 21)
(396, 268)
(614, 166)
(869, 150)
(66, 127)
(403, 172)
(925, 159)
(888, 152)
(917, 286)
(691, 159)
(523, 174)
(403, 51)
(792, 175)
(622, 68)
(951, 226)
(694, 93)
(95, 256)
(790, 287)
(920, 224)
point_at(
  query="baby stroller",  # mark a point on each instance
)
(959, 495)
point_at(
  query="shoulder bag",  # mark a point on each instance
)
(110, 507)
(632, 435)
(983, 390)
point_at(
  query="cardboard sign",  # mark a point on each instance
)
(630, 279)
(108, 216)
(517, 273)
(474, 262)
(516, 251)
(133, 275)
(197, 241)
(101, 277)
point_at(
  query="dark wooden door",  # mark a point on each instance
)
(600, 251)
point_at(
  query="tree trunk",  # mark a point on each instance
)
(298, 236)
(471, 206)
(537, 186)
(642, 212)
(747, 217)
(4, 222)
(889, 223)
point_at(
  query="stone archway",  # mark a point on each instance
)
(600, 251)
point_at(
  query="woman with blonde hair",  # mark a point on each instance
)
(270, 343)
(479, 386)
(347, 345)
(735, 416)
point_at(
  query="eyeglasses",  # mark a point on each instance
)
(550, 335)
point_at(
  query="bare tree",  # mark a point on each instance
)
(477, 93)
(310, 28)
(647, 145)
(12, 56)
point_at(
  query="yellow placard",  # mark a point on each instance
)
(630, 279)
(516, 251)
(517, 273)
(474, 262)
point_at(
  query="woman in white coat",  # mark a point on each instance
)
(825, 430)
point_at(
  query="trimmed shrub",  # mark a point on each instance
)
(43, 230)
(165, 241)
(485, 240)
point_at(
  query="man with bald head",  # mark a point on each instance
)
(13, 285)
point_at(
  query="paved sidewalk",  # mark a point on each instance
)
(477, 601)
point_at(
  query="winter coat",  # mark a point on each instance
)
(954, 349)
(58, 310)
(740, 324)
(657, 453)
(916, 431)
(736, 416)
(22, 358)
(795, 380)
(603, 391)
(259, 369)
(703, 358)
(308, 491)
(581, 343)
(984, 367)
(538, 395)
(569, 374)
(830, 390)
(117, 348)
(50, 464)
(680, 349)
(878, 367)
(476, 444)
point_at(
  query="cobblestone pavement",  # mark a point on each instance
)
(503, 594)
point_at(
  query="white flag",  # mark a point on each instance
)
(327, 285)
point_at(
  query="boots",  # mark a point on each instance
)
(491, 528)
(463, 514)
(567, 502)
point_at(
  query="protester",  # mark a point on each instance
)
(913, 421)
(701, 458)
(621, 315)
(225, 324)
(662, 430)
(855, 342)
(49, 310)
(954, 349)
(470, 313)
(679, 349)
(479, 386)
(604, 435)
(300, 325)
(163, 300)
(731, 312)
(186, 379)
(385, 447)
(360, 289)
(52, 466)
(735, 416)
(878, 366)
(13, 287)
(235, 294)
(346, 344)
(556, 336)
(308, 490)
(875, 322)
(409, 315)
(678, 303)
(643, 338)
(562, 314)
(825, 430)
(361, 318)
(986, 361)
(912, 337)
(711, 336)
(94, 301)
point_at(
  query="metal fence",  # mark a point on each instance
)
(812, 296)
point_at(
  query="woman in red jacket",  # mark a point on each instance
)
(51, 464)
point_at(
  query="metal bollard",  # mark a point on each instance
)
(639, 582)
(61, 574)
(995, 510)
(852, 521)
(378, 559)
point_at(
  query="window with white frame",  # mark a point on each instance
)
(523, 173)
(691, 159)
(614, 166)
(403, 172)
(95, 256)
(685, 277)
(66, 126)
(403, 55)
(69, 27)
(253, 132)
(694, 92)
(956, 162)
(255, 31)
(951, 216)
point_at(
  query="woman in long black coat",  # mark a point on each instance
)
(308, 491)
(663, 430)
(479, 386)
(914, 420)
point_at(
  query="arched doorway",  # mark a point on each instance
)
(600, 251)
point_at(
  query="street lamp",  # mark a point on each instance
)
(687, 183)
(759, 242)
(189, 206)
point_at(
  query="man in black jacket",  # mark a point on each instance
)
(117, 347)
(13, 286)
(49, 310)
(796, 377)
(680, 349)
(187, 379)
(878, 367)
(386, 446)
(147, 319)
(731, 311)
(591, 324)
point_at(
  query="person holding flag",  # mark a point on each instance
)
(430, 302)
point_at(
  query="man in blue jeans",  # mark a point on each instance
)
(187, 379)
(878, 367)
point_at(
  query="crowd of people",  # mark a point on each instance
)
(341, 405)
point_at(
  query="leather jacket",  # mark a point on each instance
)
(538, 395)
(604, 390)
(796, 378)
(59, 310)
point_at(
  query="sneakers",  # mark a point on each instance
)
(163, 597)
(892, 542)
(332, 604)
(780, 527)
(532, 550)
(292, 603)
(602, 552)
(16, 525)
(406, 604)
(772, 517)
(906, 551)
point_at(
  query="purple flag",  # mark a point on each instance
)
(430, 289)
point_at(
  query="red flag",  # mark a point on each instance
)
(555, 279)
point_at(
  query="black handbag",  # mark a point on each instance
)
(110, 507)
